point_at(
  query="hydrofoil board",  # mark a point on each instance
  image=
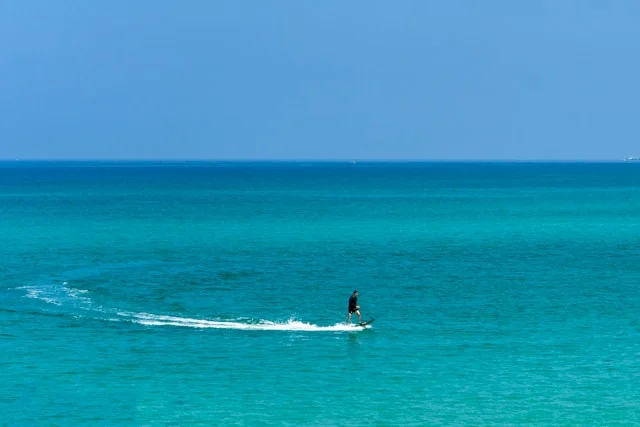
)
(368, 322)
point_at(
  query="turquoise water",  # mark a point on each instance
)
(216, 294)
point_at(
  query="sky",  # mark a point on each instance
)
(321, 79)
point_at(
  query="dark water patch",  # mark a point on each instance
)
(237, 274)
(176, 306)
(45, 314)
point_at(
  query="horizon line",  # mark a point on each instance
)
(303, 160)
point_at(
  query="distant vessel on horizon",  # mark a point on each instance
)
(630, 158)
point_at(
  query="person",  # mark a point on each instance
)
(354, 307)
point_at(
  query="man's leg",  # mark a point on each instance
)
(359, 318)
(349, 318)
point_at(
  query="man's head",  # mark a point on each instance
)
(355, 293)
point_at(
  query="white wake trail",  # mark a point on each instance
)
(263, 325)
(67, 296)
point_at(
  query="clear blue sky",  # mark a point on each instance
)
(296, 79)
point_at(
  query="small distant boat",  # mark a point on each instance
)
(631, 158)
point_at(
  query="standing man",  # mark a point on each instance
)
(353, 307)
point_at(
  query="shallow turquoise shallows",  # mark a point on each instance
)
(216, 294)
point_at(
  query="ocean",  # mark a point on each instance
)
(215, 293)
